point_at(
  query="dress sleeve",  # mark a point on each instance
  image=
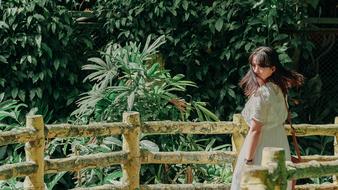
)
(261, 105)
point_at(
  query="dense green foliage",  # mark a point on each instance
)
(208, 41)
(11, 117)
(41, 53)
(43, 49)
(143, 85)
(129, 79)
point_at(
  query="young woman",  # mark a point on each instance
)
(266, 85)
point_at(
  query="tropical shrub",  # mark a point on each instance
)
(127, 79)
(130, 78)
(209, 41)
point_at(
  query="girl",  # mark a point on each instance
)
(266, 84)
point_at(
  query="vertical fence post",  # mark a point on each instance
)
(274, 159)
(239, 133)
(131, 145)
(255, 178)
(335, 144)
(34, 151)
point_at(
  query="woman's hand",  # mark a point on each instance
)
(248, 161)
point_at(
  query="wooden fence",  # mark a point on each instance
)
(131, 157)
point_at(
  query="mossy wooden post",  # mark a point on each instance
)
(274, 159)
(335, 178)
(34, 151)
(239, 133)
(255, 178)
(131, 144)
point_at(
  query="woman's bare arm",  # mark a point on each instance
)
(253, 136)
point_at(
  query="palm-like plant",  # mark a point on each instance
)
(127, 78)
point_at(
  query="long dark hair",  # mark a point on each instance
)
(283, 77)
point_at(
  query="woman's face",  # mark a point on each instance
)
(261, 72)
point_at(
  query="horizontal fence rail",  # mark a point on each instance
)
(17, 170)
(162, 127)
(310, 130)
(177, 157)
(91, 130)
(75, 163)
(198, 186)
(170, 127)
(274, 172)
(132, 157)
(17, 136)
(312, 169)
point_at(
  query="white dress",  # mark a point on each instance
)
(266, 105)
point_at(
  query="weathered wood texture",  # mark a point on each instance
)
(237, 127)
(75, 163)
(310, 129)
(212, 157)
(238, 134)
(17, 136)
(173, 127)
(274, 159)
(131, 145)
(320, 158)
(115, 186)
(34, 151)
(335, 145)
(255, 178)
(132, 157)
(311, 169)
(161, 127)
(197, 186)
(22, 169)
(91, 130)
(328, 186)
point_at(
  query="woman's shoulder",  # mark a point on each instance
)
(267, 90)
